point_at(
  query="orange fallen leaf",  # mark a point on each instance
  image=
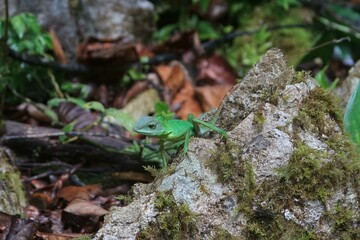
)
(216, 69)
(124, 97)
(210, 96)
(172, 77)
(71, 192)
(41, 199)
(189, 106)
(58, 50)
(82, 207)
(186, 92)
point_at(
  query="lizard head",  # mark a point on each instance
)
(149, 126)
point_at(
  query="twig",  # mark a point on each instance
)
(80, 69)
(211, 45)
(58, 134)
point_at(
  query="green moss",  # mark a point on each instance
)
(126, 199)
(11, 185)
(314, 108)
(173, 222)
(222, 161)
(299, 77)
(344, 220)
(223, 234)
(259, 119)
(309, 175)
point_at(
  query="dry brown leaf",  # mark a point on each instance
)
(59, 236)
(172, 77)
(57, 48)
(189, 106)
(34, 111)
(101, 94)
(143, 51)
(186, 92)
(123, 98)
(39, 184)
(101, 51)
(134, 176)
(82, 207)
(84, 119)
(85, 192)
(210, 96)
(216, 69)
(41, 199)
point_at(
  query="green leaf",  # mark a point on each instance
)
(51, 114)
(97, 106)
(165, 32)
(18, 25)
(352, 115)
(55, 102)
(204, 4)
(206, 30)
(321, 79)
(76, 101)
(162, 109)
(119, 117)
(69, 127)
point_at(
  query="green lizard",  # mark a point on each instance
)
(173, 130)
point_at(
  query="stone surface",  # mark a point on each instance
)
(285, 170)
(76, 21)
(12, 195)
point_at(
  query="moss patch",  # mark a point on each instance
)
(223, 234)
(173, 222)
(310, 175)
(314, 109)
(313, 174)
(259, 119)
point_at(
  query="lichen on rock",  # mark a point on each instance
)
(286, 171)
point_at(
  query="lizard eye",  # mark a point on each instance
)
(152, 126)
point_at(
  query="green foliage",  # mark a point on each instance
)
(321, 78)
(253, 50)
(54, 102)
(80, 89)
(119, 117)
(162, 109)
(25, 36)
(185, 20)
(285, 4)
(352, 115)
(67, 129)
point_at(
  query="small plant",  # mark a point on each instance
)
(352, 116)
(24, 35)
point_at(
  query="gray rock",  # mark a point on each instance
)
(286, 170)
(76, 21)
